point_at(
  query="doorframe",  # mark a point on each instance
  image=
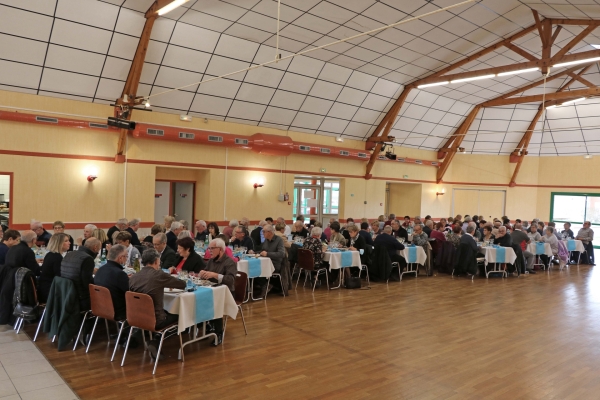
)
(171, 188)
(12, 192)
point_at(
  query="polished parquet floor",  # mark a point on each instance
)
(533, 337)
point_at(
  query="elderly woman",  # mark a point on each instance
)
(156, 228)
(228, 231)
(454, 237)
(58, 244)
(336, 236)
(488, 236)
(280, 231)
(101, 236)
(168, 221)
(300, 230)
(550, 238)
(185, 234)
(375, 229)
(313, 243)
(188, 259)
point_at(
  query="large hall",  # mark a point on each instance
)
(303, 199)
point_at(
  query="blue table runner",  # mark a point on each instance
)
(412, 254)
(205, 304)
(540, 248)
(500, 254)
(571, 245)
(346, 259)
(254, 269)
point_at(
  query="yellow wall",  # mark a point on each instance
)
(54, 186)
(405, 199)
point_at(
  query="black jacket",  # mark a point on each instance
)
(389, 242)
(7, 290)
(111, 231)
(201, 235)
(112, 277)
(366, 237)
(168, 258)
(43, 239)
(172, 240)
(255, 236)
(3, 251)
(246, 242)
(504, 241)
(194, 262)
(50, 269)
(401, 232)
(78, 266)
(135, 240)
(21, 255)
(360, 244)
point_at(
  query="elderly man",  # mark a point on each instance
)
(389, 221)
(133, 227)
(476, 233)
(78, 266)
(241, 239)
(399, 231)
(88, 232)
(522, 239)
(419, 238)
(417, 221)
(503, 238)
(8, 240)
(43, 236)
(467, 239)
(273, 247)
(222, 269)
(533, 233)
(201, 231)
(428, 228)
(20, 255)
(391, 244)
(112, 277)
(121, 225)
(288, 230)
(497, 225)
(168, 258)
(300, 230)
(228, 230)
(586, 235)
(174, 231)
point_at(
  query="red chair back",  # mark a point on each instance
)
(140, 311)
(102, 304)
(240, 284)
(306, 260)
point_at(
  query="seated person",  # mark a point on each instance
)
(101, 236)
(375, 229)
(112, 277)
(187, 260)
(175, 229)
(398, 231)
(59, 227)
(153, 282)
(586, 235)
(300, 230)
(280, 231)
(8, 239)
(392, 245)
(313, 243)
(533, 234)
(519, 237)
(124, 239)
(320, 225)
(43, 236)
(556, 233)
(168, 258)
(88, 232)
(567, 233)
(223, 237)
(148, 240)
(133, 226)
(336, 236)
(428, 228)
(358, 243)
(439, 236)
(454, 237)
(476, 233)
(503, 237)
(273, 247)
(21, 255)
(364, 232)
(222, 269)
(419, 238)
(242, 239)
(78, 266)
(58, 244)
(407, 223)
(551, 239)
(497, 224)
(488, 236)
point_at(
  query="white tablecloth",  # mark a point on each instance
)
(490, 255)
(578, 246)
(335, 259)
(184, 304)
(421, 255)
(266, 267)
(531, 247)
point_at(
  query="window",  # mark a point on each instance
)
(331, 197)
(575, 208)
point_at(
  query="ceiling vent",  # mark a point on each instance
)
(304, 148)
(325, 151)
(47, 119)
(401, 160)
(185, 135)
(418, 162)
(97, 125)
(217, 139)
(156, 132)
(344, 153)
(362, 155)
(243, 142)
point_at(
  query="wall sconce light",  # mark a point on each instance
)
(257, 185)
(92, 178)
(443, 192)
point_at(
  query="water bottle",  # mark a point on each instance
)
(103, 257)
(136, 264)
(206, 242)
(189, 285)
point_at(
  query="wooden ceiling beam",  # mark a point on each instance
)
(566, 21)
(573, 94)
(521, 52)
(555, 35)
(582, 35)
(582, 80)
(540, 27)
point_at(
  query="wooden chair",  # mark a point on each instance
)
(140, 314)
(102, 307)
(306, 262)
(239, 295)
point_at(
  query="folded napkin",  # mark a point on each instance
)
(205, 304)
(254, 268)
(335, 251)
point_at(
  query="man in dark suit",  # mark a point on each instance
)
(469, 240)
(257, 236)
(134, 225)
(399, 231)
(503, 238)
(391, 244)
(176, 228)
(20, 255)
(121, 225)
(364, 233)
(167, 256)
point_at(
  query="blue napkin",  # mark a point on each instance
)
(412, 254)
(335, 250)
(347, 259)
(540, 248)
(254, 269)
(500, 255)
(571, 245)
(299, 244)
(205, 304)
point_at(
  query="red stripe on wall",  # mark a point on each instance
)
(77, 225)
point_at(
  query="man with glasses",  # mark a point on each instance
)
(242, 240)
(59, 227)
(168, 258)
(222, 269)
(43, 236)
(586, 235)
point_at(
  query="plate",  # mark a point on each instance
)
(169, 290)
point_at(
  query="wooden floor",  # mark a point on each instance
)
(533, 337)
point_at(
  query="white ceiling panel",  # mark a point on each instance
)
(82, 37)
(68, 83)
(25, 24)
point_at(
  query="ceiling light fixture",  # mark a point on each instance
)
(339, 139)
(475, 78)
(147, 103)
(587, 156)
(171, 6)
(587, 60)
(573, 101)
(522, 71)
(433, 84)
(462, 150)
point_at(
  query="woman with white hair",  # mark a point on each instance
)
(228, 231)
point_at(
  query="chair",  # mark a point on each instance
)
(86, 315)
(140, 314)
(102, 307)
(240, 283)
(28, 312)
(275, 275)
(37, 331)
(368, 252)
(306, 262)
